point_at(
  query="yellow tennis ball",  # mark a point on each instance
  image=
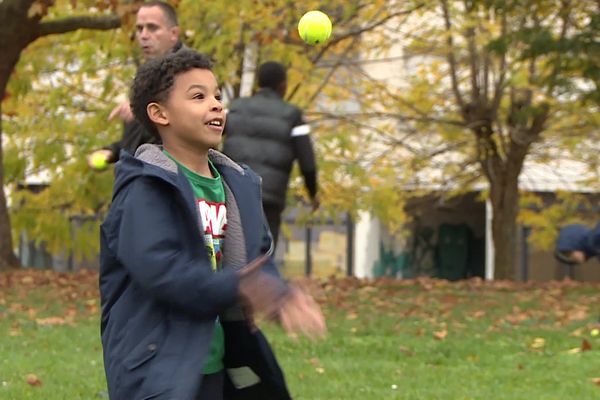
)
(595, 332)
(98, 161)
(314, 27)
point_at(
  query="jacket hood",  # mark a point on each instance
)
(149, 160)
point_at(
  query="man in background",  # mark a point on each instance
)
(157, 33)
(268, 134)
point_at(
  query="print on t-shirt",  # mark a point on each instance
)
(214, 222)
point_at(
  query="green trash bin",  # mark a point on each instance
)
(453, 251)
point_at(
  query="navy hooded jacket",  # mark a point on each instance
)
(159, 295)
(578, 237)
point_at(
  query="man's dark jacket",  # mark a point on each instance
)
(258, 133)
(159, 295)
(134, 135)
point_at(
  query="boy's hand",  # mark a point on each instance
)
(301, 314)
(260, 292)
(265, 294)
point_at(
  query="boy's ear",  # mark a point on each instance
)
(157, 114)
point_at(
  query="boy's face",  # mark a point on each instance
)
(193, 112)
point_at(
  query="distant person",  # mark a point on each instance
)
(157, 33)
(577, 243)
(186, 255)
(268, 134)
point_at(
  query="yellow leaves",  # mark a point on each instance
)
(546, 220)
(537, 343)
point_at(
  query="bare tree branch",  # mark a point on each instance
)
(71, 24)
(382, 115)
(450, 57)
(240, 49)
(499, 87)
(332, 70)
(475, 90)
(353, 34)
(565, 14)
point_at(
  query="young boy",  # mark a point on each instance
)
(177, 283)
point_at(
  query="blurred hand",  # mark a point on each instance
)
(578, 256)
(300, 314)
(123, 111)
(261, 292)
(267, 295)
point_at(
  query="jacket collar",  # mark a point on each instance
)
(153, 155)
(268, 92)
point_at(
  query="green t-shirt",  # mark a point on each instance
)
(210, 200)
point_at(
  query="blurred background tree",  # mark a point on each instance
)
(64, 86)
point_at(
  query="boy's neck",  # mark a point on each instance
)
(194, 159)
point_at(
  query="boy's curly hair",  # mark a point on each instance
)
(154, 80)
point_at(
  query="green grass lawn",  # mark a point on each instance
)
(387, 340)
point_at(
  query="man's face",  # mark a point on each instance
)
(194, 110)
(155, 35)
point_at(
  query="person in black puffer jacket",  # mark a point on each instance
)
(268, 134)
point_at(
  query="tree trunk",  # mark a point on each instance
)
(8, 260)
(504, 195)
(18, 28)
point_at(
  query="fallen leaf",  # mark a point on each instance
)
(585, 345)
(596, 381)
(320, 370)
(440, 335)
(577, 332)
(574, 350)
(27, 280)
(51, 321)
(538, 343)
(33, 380)
(579, 315)
(407, 351)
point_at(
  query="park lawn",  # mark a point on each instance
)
(422, 340)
